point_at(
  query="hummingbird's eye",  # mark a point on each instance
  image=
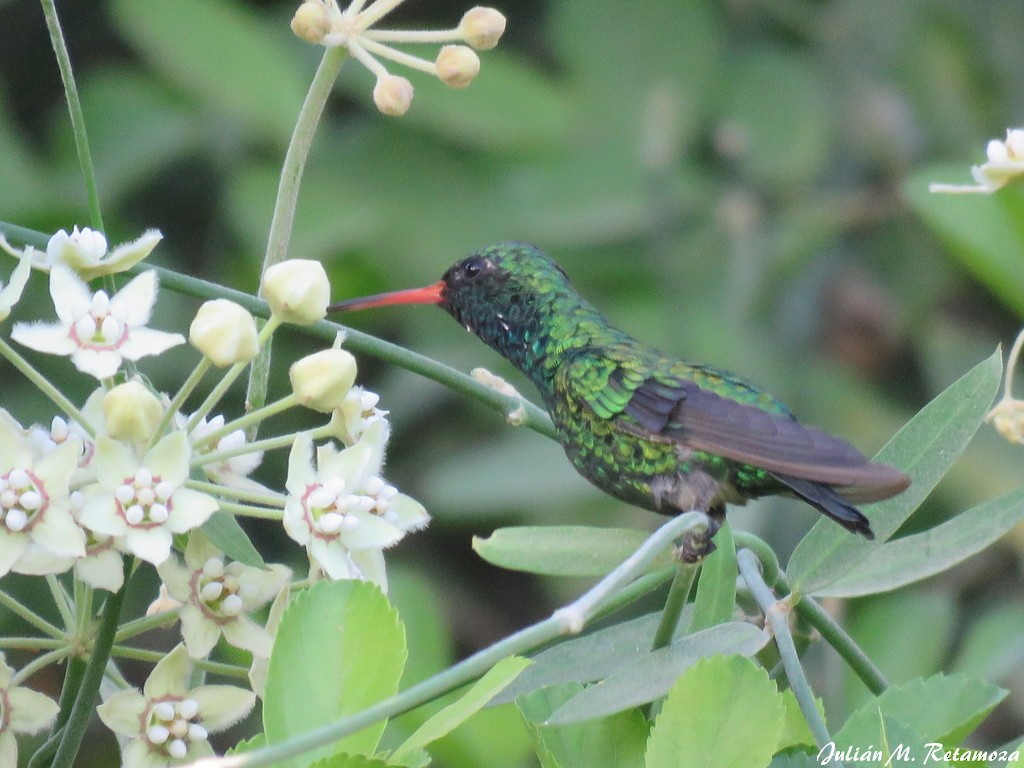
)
(473, 266)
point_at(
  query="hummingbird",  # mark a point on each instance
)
(642, 425)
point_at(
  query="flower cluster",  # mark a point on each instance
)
(1004, 164)
(323, 22)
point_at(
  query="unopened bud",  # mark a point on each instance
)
(393, 95)
(131, 411)
(224, 332)
(1008, 418)
(297, 290)
(482, 27)
(321, 380)
(457, 65)
(311, 21)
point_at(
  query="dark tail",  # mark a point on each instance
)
(826, 500)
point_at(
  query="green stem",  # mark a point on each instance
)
(135, 627)
(51, 657)
(809, 610)
(62, 601)
(78, 720)
(288, 195)
(31, 617)
(356, 341)
(267, 497)
(568, 620)
(682, 582)
(42, 384)
(769, 560)
(75, 110)
(179, 398)
(777, 614)
(32, 643)
(248, 510)
(252, 417)
(72, 681)
(267, 444)
(215, 395)
(219, 668)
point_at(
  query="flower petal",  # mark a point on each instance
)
(409, 514)
(12, 547)
(125, 255)
(101, 363)
(200, 549)
(168, 676)
(221, 706)
(199, 632)
(151, 544)
(122, 712)
(371, 533)
(176, 578)
(295, 523)
(100, 515)
(189, 509)
(51, 338)
(11, 292)
(371, 563)
(36, 561)
(245, 633)
(115, 462)
(145, 342)
(58, 533)
(30, 711)
(134, 303)
(169, 458)
(300, 465)
(353, 464)
(15, 450)
(257, 586)
(332, 557)
(56, 467)
(8, 748)
(71, 296)
(102, 570)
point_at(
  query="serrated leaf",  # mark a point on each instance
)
(616, 741)
(880, 741)
(562, 550)
(794, 759)
(248, 745)
(339, 649)
(904, 561)
(652, 675)
(590, 657)
(224, 54)
(230, 538)
(925, 449)
(724, 712)
(471, 702)
(941, 709)
(715, 602)
(795, 731)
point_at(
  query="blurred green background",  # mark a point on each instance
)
(740, 182)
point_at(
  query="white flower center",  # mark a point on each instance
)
(331, 511)
(172, 726)
(144, 500)
(217, 590)
(99, 328)
(22, 499)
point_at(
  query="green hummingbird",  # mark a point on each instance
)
(647, 428)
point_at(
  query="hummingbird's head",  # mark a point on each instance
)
(490, 291)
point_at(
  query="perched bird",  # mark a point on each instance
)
(641, 425)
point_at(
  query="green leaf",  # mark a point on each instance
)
(230, 538)
(941, 709)
(590, 657)
(349, 761)
(340, 648)
(880, 739)
(1009, 754)
(616, 741)
(722, 713)
(715, 602)
(562, 550)
(994, 644)
(983, 231)
(794, 759)
(904, 561)
(795, 731)
(471, 702)
(248, 745)
(651, 676)
(925, 449)
(220, 51)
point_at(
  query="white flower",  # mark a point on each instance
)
(342, 511)
(35, 505)
(1005, 164)
(10, 293)
(217, 598)
(232, 472)
(224, 332)
(297, 291)
(355, 414)
(21, 711)
(98, 331)
(258, 668)
(85, 251)
(324, 22)
(142, 504)
(169, 723)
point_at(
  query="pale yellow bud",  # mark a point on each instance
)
(297, 290)
(393, 95)
(311, 21)
(224, 332)
(1008, 418)
(131, 411)
(482, 27)
(457, 65)
(322, 380)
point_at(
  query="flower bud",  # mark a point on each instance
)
(457, 65)
(297, 290)
(81, 246)
(311, 21)
(321, 380)
(482, 27)
(224, 332)
(132, 412)
(393, 95)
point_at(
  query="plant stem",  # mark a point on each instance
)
(252, 417)
(78, 720)
(63, 603)
(682, 582)
(32, 643)
(42, 384)
(567, 620)
(267, 497)
(812, 612)
(777, 614)
(248, 510)
(179, 398)
(140, 654)
(75, 110)
(215, 395)
(144, 624)
(31, 617)
(38, 663)
(72, 681)
(769, 560)
(287, 197)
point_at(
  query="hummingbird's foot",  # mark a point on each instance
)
(698, 544)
